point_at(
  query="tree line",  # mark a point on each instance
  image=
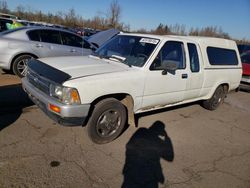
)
(109, 19)
(105, 20)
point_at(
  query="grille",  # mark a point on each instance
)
(38, 81)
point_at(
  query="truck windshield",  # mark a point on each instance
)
(130, 50)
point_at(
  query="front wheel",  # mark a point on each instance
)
(216, 100)
(107, 121)
(20, 65)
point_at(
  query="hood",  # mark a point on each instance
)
(81, 66)
(100, 38)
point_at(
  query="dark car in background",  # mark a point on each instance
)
(86, 32)
(3, 23)
(7, 20)
(243, 48)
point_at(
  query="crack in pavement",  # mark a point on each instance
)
(92, 181)
(196, 175)
(37, 129)
(24, 157)
(108, 155)
(11, 144)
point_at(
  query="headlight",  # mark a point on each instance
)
(65, 95)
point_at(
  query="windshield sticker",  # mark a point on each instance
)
(148, 40)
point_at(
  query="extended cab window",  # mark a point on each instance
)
(34, 35)
(193, 58)
(71, 40)
(221, 56)
(51, 36)
(171, 51)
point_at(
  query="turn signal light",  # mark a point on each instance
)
(54, 108)
(74, 96)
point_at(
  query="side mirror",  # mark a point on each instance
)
(169, 66)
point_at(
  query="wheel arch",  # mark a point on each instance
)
(20, 54)
(217, 98)
(126, 99)
(225, 86)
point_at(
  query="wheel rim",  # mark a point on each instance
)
(108, 123)
(218, 98)
(22, 66)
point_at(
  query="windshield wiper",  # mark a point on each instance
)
(119, 59)
(116, 57)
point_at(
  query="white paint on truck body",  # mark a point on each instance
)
(95, 77)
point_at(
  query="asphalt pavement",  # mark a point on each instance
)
(185, 146)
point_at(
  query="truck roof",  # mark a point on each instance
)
(204, 41)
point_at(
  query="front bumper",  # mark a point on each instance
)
(70, 115)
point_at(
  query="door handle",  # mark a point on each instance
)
(184, 76)
(39, 45)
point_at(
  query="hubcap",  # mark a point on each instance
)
(218, 98)
(22, 66)
(108, 123)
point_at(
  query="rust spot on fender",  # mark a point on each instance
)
(129, 103)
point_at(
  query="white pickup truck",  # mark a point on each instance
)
(130, 74)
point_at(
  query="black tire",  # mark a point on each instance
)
(107, 121)
(20, 65)
(216, 100)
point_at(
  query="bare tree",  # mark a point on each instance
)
(4, 7)
(20, 11)
(114, 13)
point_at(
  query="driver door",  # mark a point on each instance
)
(162, 89)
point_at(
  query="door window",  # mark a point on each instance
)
(193, 58)
(71, 40)
(34, 35)
(171, 51)
(50, 36)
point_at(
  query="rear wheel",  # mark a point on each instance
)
(107, 121)
(217, 99)
(20, 65)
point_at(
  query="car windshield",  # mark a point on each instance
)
(245, 58)
(130, 50)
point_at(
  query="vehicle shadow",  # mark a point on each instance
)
(245, 89)
(8, 72)
(143, 153)
(12, 101)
